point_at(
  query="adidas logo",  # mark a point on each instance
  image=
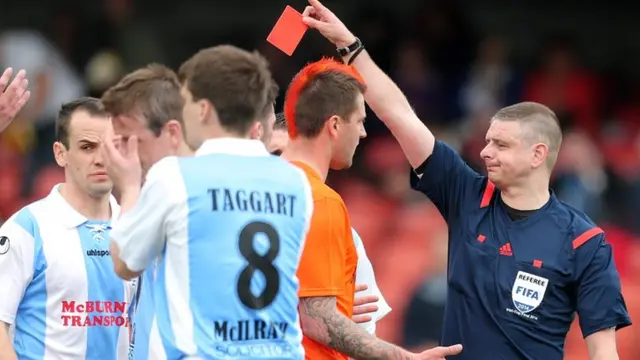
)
(505, 250)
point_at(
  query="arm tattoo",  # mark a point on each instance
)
(322, 322)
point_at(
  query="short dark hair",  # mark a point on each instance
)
(236, 82)
(319, 91)
(93, 106)
(540, 122)
(281, 122)
(152, 92)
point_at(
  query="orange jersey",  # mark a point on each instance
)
(329, 259)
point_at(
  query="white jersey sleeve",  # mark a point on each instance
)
(17, 253)
(366, 275)
(140, 233)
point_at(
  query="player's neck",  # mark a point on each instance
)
(184, 150)
(218, 132)
(530, 196)
(311, 153)
(93, 208)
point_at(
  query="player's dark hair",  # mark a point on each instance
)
(152, 93)
(236, 82)
(91, 105)
(319, 91)
(281, 122)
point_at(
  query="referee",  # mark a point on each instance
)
(521, 263)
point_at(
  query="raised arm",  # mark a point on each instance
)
(383, 95)
(13, 96)
(138, 236)
(447, 180)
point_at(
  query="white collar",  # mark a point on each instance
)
(69, 216)
(234, 146)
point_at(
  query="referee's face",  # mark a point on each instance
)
(506, 155)
(83, 162)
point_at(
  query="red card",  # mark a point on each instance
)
(288, 31)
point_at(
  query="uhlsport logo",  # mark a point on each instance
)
(528, 291)
(5, 245)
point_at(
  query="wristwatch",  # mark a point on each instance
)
(351, 48)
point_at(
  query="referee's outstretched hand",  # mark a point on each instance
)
(440, 352)
(122, 161)
(12, 97)
(319, 17)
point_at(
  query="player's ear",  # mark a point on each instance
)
(333, 124)
(60, 153)
(208, 113)
(539, 155)
(256, 131)
(173, 130)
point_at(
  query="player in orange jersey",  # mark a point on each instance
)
(325, 111)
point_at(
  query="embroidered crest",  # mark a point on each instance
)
(528, 291)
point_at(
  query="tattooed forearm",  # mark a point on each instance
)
(322, 322)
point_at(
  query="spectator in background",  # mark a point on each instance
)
(572, 92)
(491, 82)
(422, 86)
(580, 178)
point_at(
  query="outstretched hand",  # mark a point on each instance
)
(319, 17)
(13, 99)
(440, 352)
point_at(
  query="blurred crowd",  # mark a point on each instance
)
(455, 81)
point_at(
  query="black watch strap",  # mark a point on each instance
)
(351, 48)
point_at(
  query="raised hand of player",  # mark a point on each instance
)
(440, 352)
(13, 99)
(364, 305)
(319, 17)
(122, 161)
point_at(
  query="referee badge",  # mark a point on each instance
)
(528, 291)
(5, 245)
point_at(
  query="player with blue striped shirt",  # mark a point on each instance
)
(59, 291)
(157, 109)
(229, 223)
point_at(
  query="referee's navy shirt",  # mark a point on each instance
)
(515, 283)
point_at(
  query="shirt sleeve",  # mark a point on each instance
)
(322, 266)
(140, 233)
(447, 181)
(17, 255)
(600, 303)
